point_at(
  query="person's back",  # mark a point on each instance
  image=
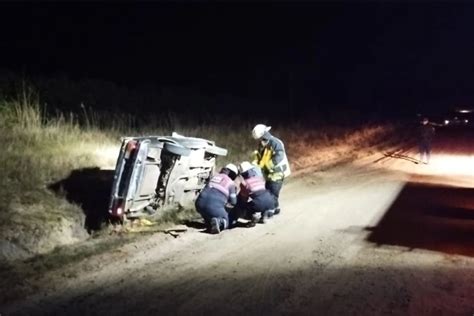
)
(219, 188)
(252, 182)
(258, 200)
(426, 132)
(212, 200)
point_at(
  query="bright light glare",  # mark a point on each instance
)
(446, 169)
(107, 156)
(443, 169)
(453, 164)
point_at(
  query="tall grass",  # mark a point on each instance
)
(40, 148)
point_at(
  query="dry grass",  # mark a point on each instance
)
(39, 149)
(326, 146)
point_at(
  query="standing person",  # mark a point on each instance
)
(211, 202)
(271, 158)
(253, 200)
(426, 133)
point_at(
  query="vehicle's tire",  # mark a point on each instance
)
(176, 149)
(215, 150)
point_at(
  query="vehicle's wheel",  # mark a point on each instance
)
(176, 149)
(218, 151)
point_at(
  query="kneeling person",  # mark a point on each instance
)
(212, 200)
(257, 200)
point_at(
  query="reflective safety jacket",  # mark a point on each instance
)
(222, 183)
(252, 185)
(272, 159)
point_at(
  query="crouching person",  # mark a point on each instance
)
(258, 201)
(211, 202)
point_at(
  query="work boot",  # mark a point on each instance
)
(265, 216)
(255, 219)
(277, 211)
(233, 224)
(223, 224)
(215, 226)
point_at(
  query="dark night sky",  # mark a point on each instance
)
(371, 55)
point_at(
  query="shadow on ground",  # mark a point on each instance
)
(399, 153)
(196, 224)
(432, 217)
(251, 291)
(90, 189)
(200, 225)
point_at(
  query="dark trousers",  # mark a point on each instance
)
(212, 204)
(274, 187)
(259, 202)
(425, 150)
(239, 211)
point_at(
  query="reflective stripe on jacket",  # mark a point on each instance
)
(224, 184)
(254, 184)
(272, 159)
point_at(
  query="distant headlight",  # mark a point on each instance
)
(466, 121)
(446, 122)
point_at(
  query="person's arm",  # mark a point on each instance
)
(232, 195)
(278, 153)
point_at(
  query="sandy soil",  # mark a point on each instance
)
(383, 235)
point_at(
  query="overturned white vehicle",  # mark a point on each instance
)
(156, 172)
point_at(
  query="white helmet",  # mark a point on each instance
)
(259, 130)
(232, 168)
(245, 166)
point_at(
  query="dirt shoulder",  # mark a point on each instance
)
(318, 257)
